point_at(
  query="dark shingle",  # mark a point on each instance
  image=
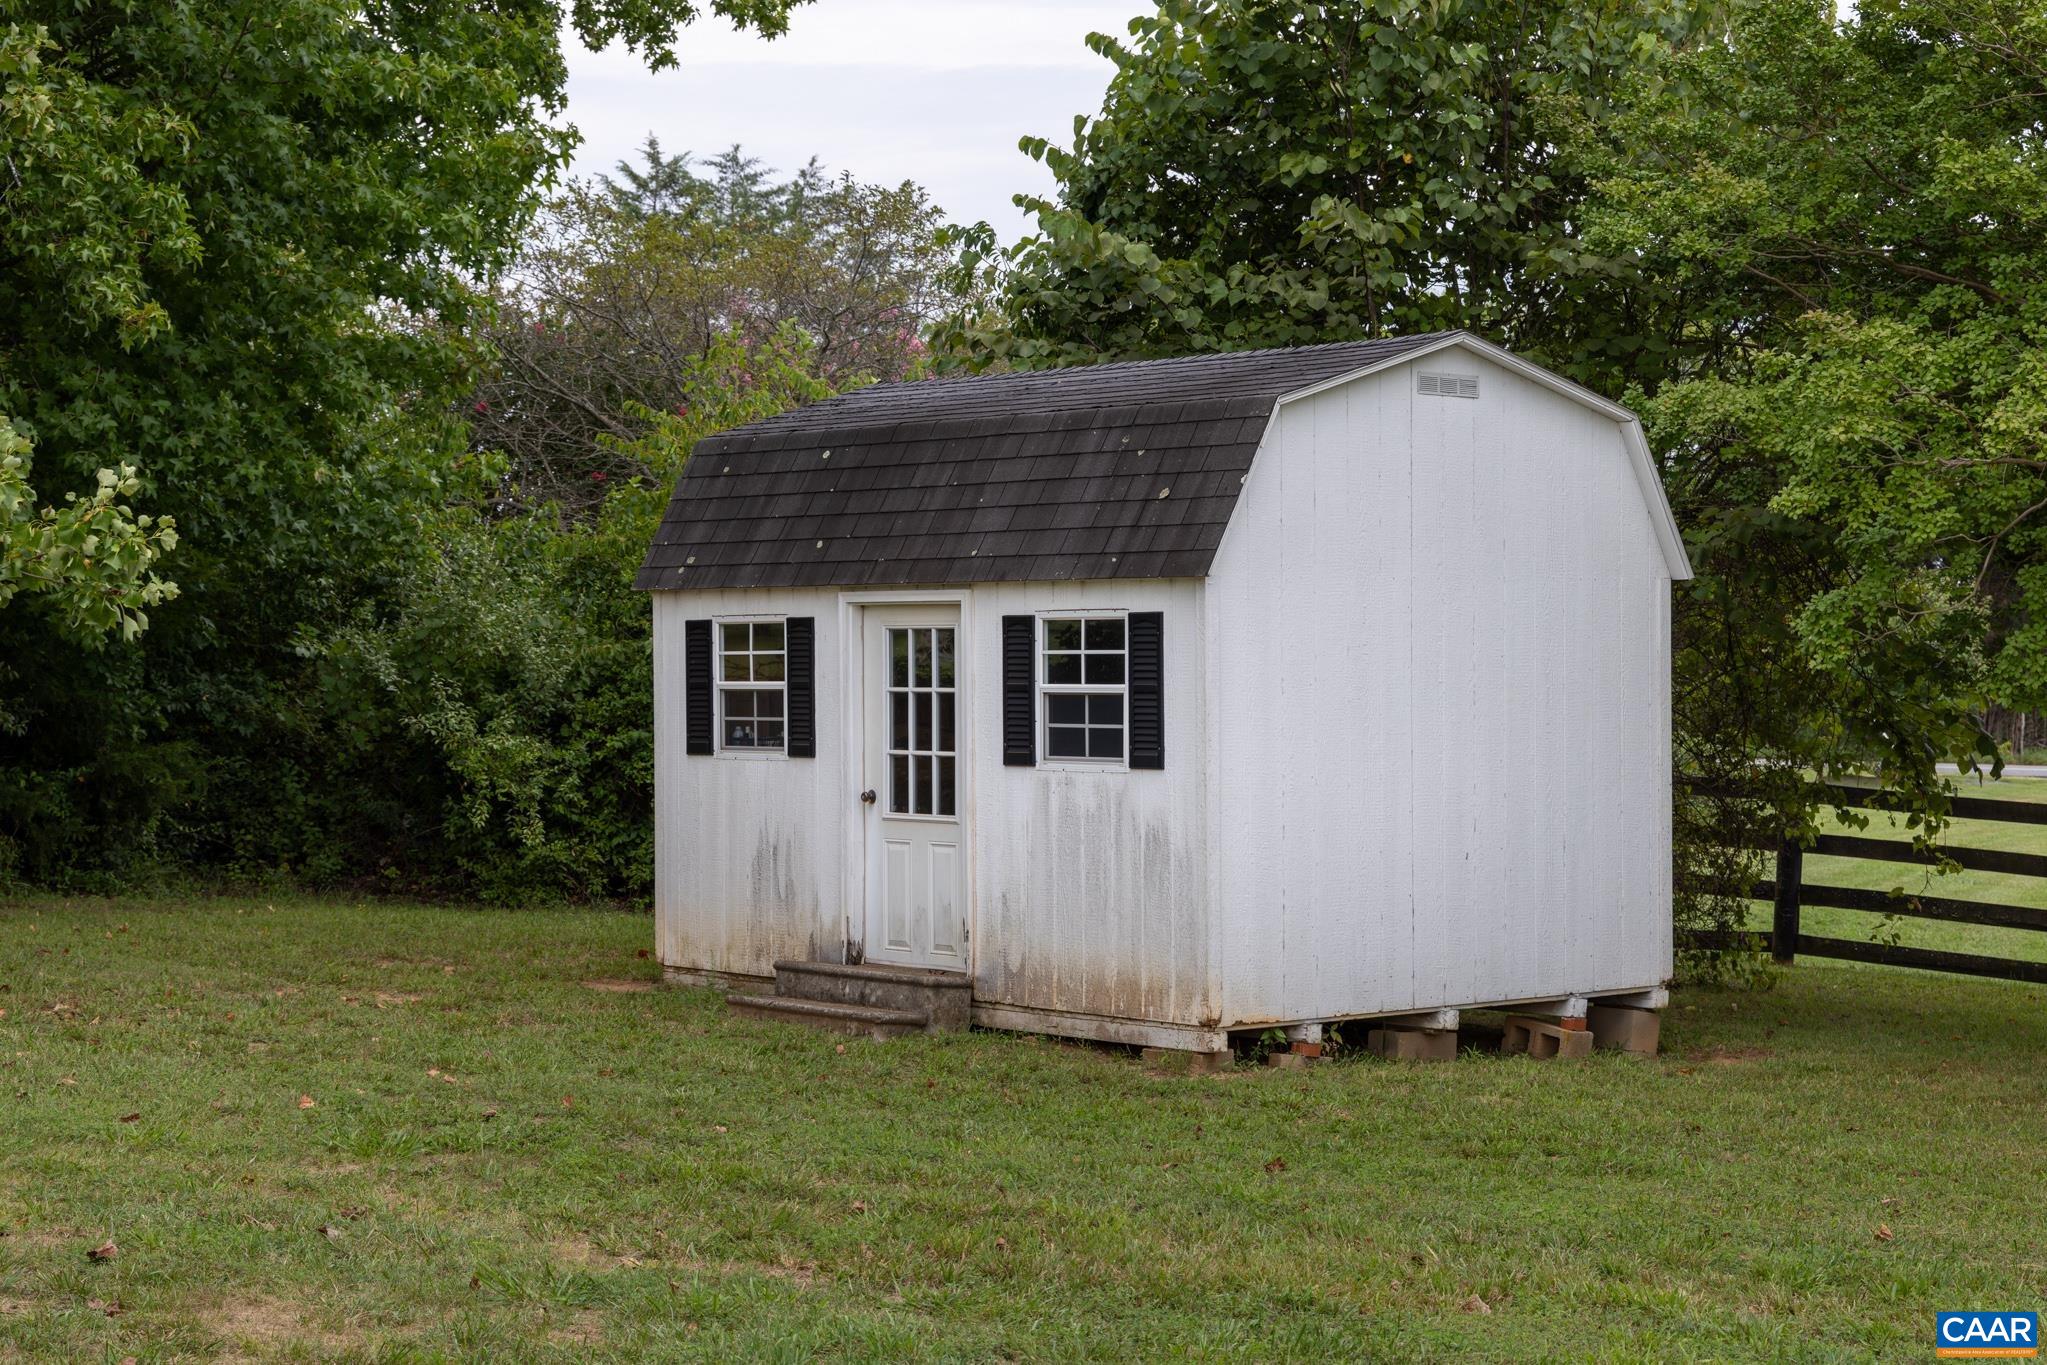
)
(1042, 474)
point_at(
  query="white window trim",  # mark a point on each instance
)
(1047, 689)
(751, 753)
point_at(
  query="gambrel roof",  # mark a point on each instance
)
(1124, 470)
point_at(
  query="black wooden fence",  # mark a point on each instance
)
(1789, 891)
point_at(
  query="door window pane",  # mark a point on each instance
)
(923, 718)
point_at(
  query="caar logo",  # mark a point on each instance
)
(1986, 1334)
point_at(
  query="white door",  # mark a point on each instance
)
(915, 787)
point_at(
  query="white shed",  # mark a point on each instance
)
(1150, 702)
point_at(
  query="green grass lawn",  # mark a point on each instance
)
(1994, 887)
(391, 1132)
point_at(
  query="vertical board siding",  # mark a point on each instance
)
(1089, 888)
(1092, 883)
(746, 850)
(1439, 639)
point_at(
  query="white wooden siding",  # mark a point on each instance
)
(747, 856)
(1439, 633)
(1092, 885)
(1088, 886)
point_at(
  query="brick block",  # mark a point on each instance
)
(1625, 1029)
(1412, 1044)
(1286, 1061)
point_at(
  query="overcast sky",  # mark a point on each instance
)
(936, 91)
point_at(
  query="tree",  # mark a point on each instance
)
(1864, 478)
(1274, 174)
(630, 284)
(92, 560)
(215, 215)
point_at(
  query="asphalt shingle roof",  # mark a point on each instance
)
(1126, 470)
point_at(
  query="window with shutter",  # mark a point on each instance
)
(697, 704)
(802, 666)
(1147, 689)
(1019, 673)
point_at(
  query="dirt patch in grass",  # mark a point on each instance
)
(621, 985)
(585, 1254)
(1729, 1056)
(45, 1239)
(584, 1327)
(269, 1325)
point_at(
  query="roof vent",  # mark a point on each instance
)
(1447, 385)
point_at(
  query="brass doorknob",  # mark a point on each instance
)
(867, 796)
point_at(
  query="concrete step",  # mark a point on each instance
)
(868, 1020)
(946, 998)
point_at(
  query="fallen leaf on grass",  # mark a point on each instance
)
(105, 1251)
(307, 1101)
(330, 1232)
(489, 1114)
(1002, 1244)
(112, 1310)
(568, 1101)
(721, 1128)
(1275, 1166)
(67, 1080)
(859, 1206)
(1475, 1304)
(643, 953)
(132, 1118)
(840, 1049)
(1883, 1232)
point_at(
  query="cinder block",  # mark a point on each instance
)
(1287, 1061)
(1626, 1029)
(1543, 1039)
(1412, 1044)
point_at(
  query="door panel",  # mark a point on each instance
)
(915, 763)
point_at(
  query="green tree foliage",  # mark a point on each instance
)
(1273, 174)
(626, 285)
(1864, 476)
(490, 719)
(91, 560)
(215, 215)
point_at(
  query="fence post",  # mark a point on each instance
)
(1790, 869)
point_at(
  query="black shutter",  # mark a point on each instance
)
(1019, 677)
(1147, 689)
(696, 682)
(802, 661)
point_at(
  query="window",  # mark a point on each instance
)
(1085, 681)
(752, 685)
(923, 748)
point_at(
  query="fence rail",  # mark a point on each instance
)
(1789, 892)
